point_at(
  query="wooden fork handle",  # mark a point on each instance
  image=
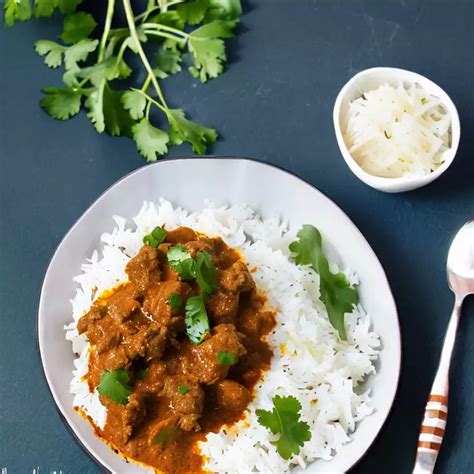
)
(436, 411)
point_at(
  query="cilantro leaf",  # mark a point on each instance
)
(177, 254)
(183, 129)
(106, 111)
(78, 52)
(155, 237)
(183, 390)
(284, 420)
(335, 290)
(107, 70)
(117, 120)
(209, 57)
(196, 320)
(44, 8)
(223, 10)
(215, 29)
(135, 103)
(68, 6)
(114, 384)
(70, 78)
(206, 272)
(61, 103)
(187, 269)
(165, 435)
(207, 48)
(52, 52)
(151, 141)
(226, 358)
(170, 18)
(95, 105)
(16, 10)
(181, 261)
(193, 12)
(167, 62)
(175, 302)
(77, 26)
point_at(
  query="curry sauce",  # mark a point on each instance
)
(180, 390)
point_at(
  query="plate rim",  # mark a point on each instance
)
(215, 158)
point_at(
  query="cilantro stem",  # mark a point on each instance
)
(122, 49)
(150, 99)
(146, 84)
(143, 16)
(83, 82)
(170, 4)
(133, 33)
(165, 28)
(115, 31)
(147, 110)
(107, 25)
(164, 35)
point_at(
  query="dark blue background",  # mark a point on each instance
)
(274, 103)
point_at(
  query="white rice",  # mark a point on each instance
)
(309, 362)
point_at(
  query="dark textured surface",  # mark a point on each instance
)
(274, 103)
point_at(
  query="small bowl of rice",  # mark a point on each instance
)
(396, 129)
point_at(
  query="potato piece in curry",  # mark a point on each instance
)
(176, 383)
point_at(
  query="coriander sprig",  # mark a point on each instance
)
(336, 292)
(285, 420)
(178, 28)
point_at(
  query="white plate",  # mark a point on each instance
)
(187, 182)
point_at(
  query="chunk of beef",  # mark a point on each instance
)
(123, 302)
(143, 269)
(236, 278)
(133, 415)
(185, 398)
(115, 359)
(222, 307)
(202, 361)
(231, 396)
(181, 235)
(254, 323)
(224, 257)
(156, 303)
(97, 311)
(104, 334)
(195, 246)
(134, 323)
(149, 343)
(153, 381)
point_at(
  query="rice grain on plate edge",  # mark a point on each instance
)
(310, 362)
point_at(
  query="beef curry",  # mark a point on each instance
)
(179, 385)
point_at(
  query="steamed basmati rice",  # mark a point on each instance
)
(309, 362)
(398, 131)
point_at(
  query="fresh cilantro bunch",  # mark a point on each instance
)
(194, 29)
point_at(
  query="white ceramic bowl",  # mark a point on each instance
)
(270, 191)
(370, 79)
